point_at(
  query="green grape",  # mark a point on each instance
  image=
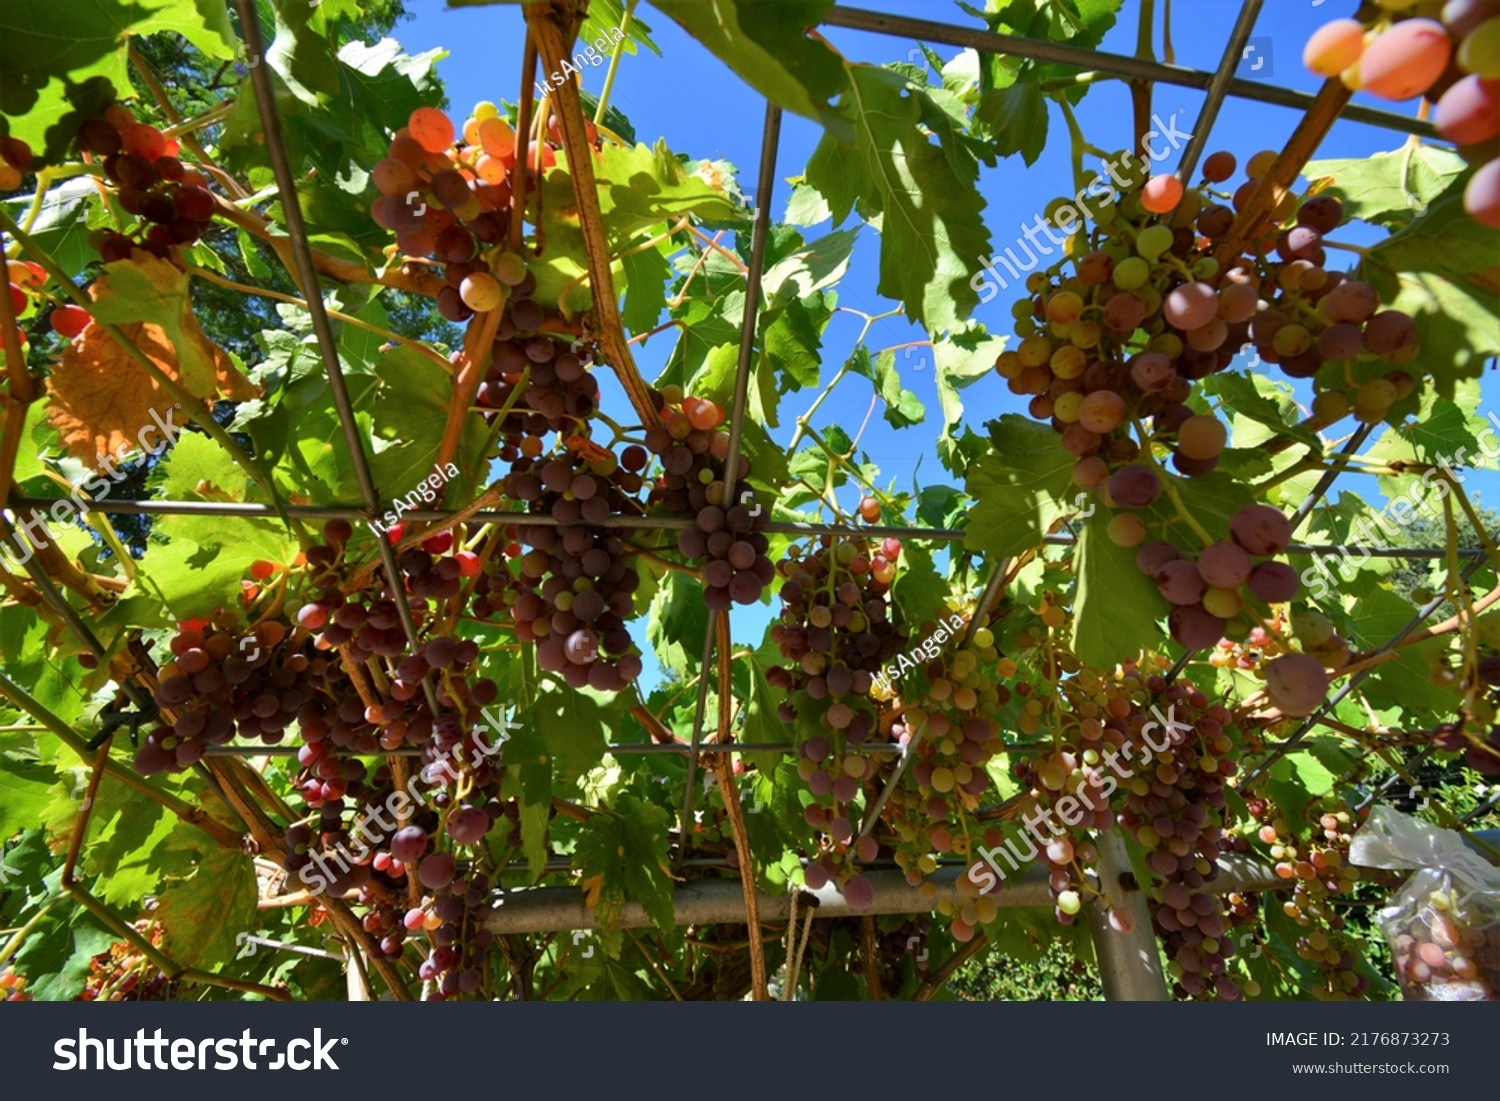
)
(1480, 51)
(1153, 241)
(1132, 273)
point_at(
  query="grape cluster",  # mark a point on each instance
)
(220, 681)
(1175, 808)
(573, 591)
(835, 629)
(1216, 587)
(536, 346)
(172, 202)
(728, 536)
(1447, 949)
(1453, 59)
(1322, 873)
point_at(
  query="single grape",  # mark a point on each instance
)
(1201, 437)
(1261, 529)
(1134, 486)
(1273, 582)
(1405, 59)
(1191, 305)
(1333, 47)
(1296, 683)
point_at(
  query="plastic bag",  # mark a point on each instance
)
(1443, 926)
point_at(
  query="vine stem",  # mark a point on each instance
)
(609, 76)
(195, 409)
(1169, 485)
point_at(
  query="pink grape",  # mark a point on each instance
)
(1180, 582)
(859, 892)
(437, 871)
(1261, 529)
(1405, 60)
(409, 843)
(1193, 627)
(1469, 112)
(1273, 582)
(1225, 565)
(1191, 306)
(1482, 196)
(1333, 47)
(1389, 331)
(1296, 683)
(1134, 486)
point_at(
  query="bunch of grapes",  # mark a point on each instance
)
(573, 591)
(834, 628)
(448, 201)
(1313, 318)
(1453, 58)
(1322, 873)
(13, 985)
(537, 346)
(728, 536)
(1175, 808)
(27, 281)
(950, 729)
(122, 973)
(1220, 585)
(172, 202)
(220, 681)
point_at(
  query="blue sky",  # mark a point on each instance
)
(701, 109)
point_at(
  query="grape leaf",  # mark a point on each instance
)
(64, 66)
(202, 913)
(1387, 189)
(678, 624)
(572, 723)
(902, 407)
(1443, 269)
(924, 194)
(623, 853)
(1019, 489)
(766, 42)
(1116, 607)
(24, 784)
(919, 591)
(962, 359)
(1255, 399)
(101, 399)
(646, 273)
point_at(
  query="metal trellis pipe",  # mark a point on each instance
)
(650, 523)
(307, 276)
(1131, 68)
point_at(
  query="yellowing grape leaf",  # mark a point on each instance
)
(101, 398)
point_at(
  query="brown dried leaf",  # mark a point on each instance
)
(101, 399)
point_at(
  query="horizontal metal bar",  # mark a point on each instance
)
(1131, 68)
(641, 747)
(722, 901)
(645, 523)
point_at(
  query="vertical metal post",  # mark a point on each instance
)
(1129, 963)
